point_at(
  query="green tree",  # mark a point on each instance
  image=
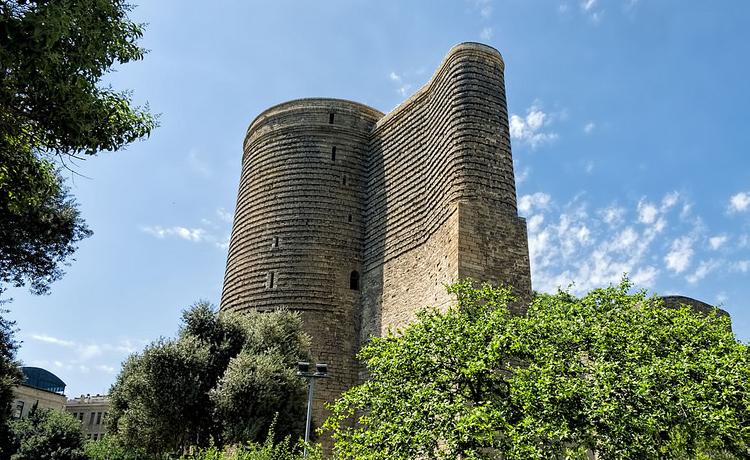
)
(260, 384)
(53, 56)
(48, 434)
(222, 380)
(107, 448)
(10, 376)
(611, 373)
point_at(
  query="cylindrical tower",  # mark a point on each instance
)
(298, 235)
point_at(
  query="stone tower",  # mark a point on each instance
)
(356, 219)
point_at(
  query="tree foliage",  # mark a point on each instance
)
(222, 380)
(107, 448)
(10, 376)
(37, 239)
(53, 56)
(611, 374)
(49, 434)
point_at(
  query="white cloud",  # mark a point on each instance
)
(593, 250)
(403, 88)
(486, 34)
(484, 6)
(740, 266)
(613, 215)
(588, 4)
(195, 235)
(717, 241)
(50, 339)
(87, 352)
(644, 277)
(527, 129)
(589, 127)
(522, 175)
(535, 223)
(679, 256)
(624, 241)
(588, 7)
(669, 200)
(80, 353)
(647, 212)
(704, 268)
(739, 202)
(538, 200)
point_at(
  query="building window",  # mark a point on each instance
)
(95, 436)
(330, 118)
(98, 418)
(275, 242)
(19, 409)
(333, 153)
(270, 280)
(91, 420)
(343, 181)
(354, 281)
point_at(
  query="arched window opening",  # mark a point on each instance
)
(354, 281)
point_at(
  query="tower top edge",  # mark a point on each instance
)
(466, 50)
(477, 47)
(315, 104)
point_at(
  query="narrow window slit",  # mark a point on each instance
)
(333, 153)
(330, 119)
(354, 281)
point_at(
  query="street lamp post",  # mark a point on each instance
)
(303, 370)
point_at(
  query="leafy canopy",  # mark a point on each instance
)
(612, 374)
(224, 379)
(49, 434)
(10, 376)
(53, 56)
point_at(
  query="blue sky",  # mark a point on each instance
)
(629, 133)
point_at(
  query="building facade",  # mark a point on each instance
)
(357, 219)
(92, 413)
(41, 389)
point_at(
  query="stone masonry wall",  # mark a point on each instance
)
(357, 219)
(441, 200)
(298, 230)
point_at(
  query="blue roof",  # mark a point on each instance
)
(43, 379)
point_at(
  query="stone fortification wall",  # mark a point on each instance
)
(441, 185)
(357, 220)
(677, 301)
(298, 233)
